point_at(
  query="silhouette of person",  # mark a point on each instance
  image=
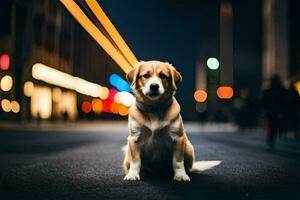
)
(274, 101)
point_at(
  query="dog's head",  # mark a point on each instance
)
(153, 81)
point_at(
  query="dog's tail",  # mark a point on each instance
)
(200, 166)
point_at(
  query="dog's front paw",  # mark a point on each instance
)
(132, 177)
(181, 177)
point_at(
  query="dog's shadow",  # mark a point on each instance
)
(201, 185)
(165, 172)
(156, 178)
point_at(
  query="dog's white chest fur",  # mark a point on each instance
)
(155, 124)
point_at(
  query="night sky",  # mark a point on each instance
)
(184, 31)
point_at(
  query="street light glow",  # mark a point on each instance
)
(125, 98)
(4, 62)
(86, 107)
(6, 105)
(97, 106)
(28, 88)
(123, 110)
(212, 63)
(297, 86)
(225, 92)
(6, 83)
(200, 96)
(56, 94)
(15, 107)
(64, 80)
(114, 108)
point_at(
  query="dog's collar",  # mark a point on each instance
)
(154, 109)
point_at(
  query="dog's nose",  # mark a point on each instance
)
(154, 87)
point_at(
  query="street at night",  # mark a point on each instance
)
(157, 99)
(85, 162)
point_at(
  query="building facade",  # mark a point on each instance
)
(42, 31)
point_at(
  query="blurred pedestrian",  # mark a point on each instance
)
(274, 101)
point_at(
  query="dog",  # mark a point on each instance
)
(157, 141)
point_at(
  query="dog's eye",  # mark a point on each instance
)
(146, 76)
(162, 76)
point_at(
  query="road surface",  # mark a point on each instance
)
(86, 164)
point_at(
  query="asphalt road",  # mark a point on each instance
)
(87, 165)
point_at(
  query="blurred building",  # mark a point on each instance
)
(240, 44)
(249, 43)
(42, 31)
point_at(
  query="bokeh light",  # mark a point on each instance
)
(114, 108)
(28, 88)
(97, 106)
(86, 107)
(64, 80)
(123, 110)
(297, 86)
(112, 93)
(6, 105)
(15, 107)
(200, 96)
(106, 105)
(119, 83)
(212, 63)
(4, 62)
(44, 99)
(104, 93)
(6, 83)
(124, 98)
(225, 92)
(56, 94)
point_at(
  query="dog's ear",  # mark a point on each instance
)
(132, 75)
(176, 77)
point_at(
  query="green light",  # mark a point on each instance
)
(212, 63)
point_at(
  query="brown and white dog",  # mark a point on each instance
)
(157, 138)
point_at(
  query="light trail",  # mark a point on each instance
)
(96, 34)
(112, 31)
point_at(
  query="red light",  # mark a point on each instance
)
(225, 92)
(4, 62)
(86, 107)
(106, 105)
(112, 93)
